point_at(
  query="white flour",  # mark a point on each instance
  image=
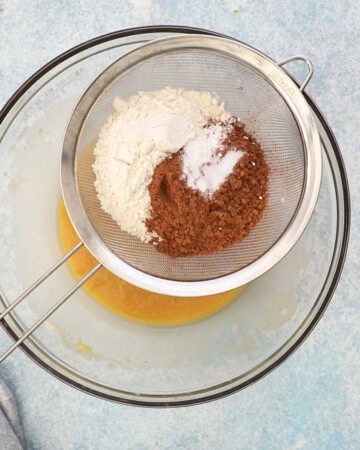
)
(143, 131)
(204, 168)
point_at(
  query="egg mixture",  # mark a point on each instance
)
(130, 301)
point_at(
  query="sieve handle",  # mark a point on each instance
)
(51, 310)
(306, 61)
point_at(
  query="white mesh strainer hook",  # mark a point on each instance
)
(271, 106)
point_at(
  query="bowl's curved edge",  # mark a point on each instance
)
(342, 254)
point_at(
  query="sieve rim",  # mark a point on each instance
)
(298, 106)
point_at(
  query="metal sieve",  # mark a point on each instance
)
(267, 102)
(273, 109)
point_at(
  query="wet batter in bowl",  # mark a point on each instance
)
(130, 301)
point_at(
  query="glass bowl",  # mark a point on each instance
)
(105, 355)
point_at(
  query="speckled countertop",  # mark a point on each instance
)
(312, 400)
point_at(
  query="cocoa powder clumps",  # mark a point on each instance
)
(189, 223)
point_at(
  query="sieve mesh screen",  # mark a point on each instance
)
(248, 95)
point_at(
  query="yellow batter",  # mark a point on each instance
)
(132, 302)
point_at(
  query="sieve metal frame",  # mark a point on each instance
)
(294, 99)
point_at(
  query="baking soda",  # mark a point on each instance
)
(205, 166)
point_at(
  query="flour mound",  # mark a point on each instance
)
(143, 131)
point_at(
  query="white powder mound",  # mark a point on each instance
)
(204, 167)
(144, 130)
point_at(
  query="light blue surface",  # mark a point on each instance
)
(310, 402)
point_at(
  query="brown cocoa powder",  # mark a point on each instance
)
(188, 222)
